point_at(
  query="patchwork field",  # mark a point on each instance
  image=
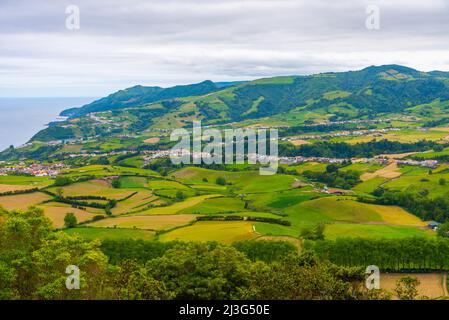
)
(146, 222)
(178, 207)
(94, 188)
(420, 179)
(151, 140)
(138, 201)
(111, 233)
(342, 230)
(23, 201)
(26, 181)
(370, 185)
(216, 205)
(13, 187)
(224, 232)
(57, 212)
(389, 172)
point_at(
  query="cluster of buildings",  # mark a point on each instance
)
(371, 132)
(150, 155)
(35, 169)
(432, 164)
(299, 159)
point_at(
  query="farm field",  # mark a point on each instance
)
(57, 212)
(216, 205)
(23, 201)
(224, 232)
(137, 202)
(146, 222)
(431, 284)
(389, 172)
(244, 181)
(107, 170)
(111, 233)
(404, 136)
(178, 207)
(26, 181)
(420, 180)
(369, 185)
(14, 187)
(342, 230)
(98, 187)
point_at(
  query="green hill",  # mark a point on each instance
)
(139, 95)
(123, 120)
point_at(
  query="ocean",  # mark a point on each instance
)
(22, 118)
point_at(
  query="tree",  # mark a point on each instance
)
(331, 168)
(133, 282)
(102, 161)
(202, 271)
(70, 220)
(61, 181)
(59, 193)
(443, 229)
(407, 288)
(317, 233)
(116, 183)
(34, 259)
(220, 181)
(180, 195)
(107, 210)
(442, 182)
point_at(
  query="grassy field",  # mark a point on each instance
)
(57, 212)
(146, 222)
(388, 172)
(346, 217)
(165, 184)
(224, 232)
(244, 181)
(23, 201)
(107, 170)
(370, 185)
(404, 136)
(339, 230)
(111, 233)
(216, 205)
(178, 206)
(137, 202)
(133, 182)
(14, 187)
(26, 181)
(420, 179)
(94, 188)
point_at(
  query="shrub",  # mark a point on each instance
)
(70, 220)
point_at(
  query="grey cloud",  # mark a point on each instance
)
(166, 42)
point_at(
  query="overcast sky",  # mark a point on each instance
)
(168, 42)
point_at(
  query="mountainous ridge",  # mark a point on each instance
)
(388, 91)
(140, 95)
